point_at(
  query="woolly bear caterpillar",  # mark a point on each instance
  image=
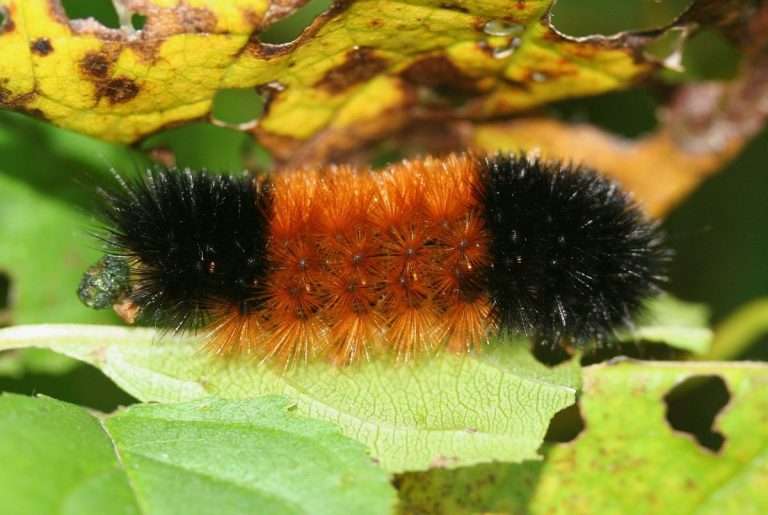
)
(425, 255)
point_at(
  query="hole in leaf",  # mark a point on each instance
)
(138, 21)
(6, 298)
(289, 28)
(611, 17)
(203, 145)
(630, 113)
(709, 56)
(668, 48)
(236, 106)
(102, 11)
(693, 405)
(84, 385)
(566, 425)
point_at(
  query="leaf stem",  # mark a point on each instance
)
(739, 331)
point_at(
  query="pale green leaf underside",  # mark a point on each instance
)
(205, 456)
(444, 411)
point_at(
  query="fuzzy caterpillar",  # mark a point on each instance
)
(425, 255)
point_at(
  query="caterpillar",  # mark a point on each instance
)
(423, 256)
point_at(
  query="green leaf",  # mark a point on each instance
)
(632, 461)
(34, 361)
(206, 456)
(628, 459)
(43, 249)
(444, 411)
(683, 325)
(57, 459)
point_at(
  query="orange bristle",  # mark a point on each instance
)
(295, 332)
(397, 196)
(411, 318)
(292, 209)
(355, 325)
(236, 333)
(343, 199)
(448, 195)
(465, 323)
(365, 263)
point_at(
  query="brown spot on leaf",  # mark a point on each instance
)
(360, 65)
(196, 19)
(438, 71)
(35, 112)
(119, 90)
(95, 66)
(8, 99)
(99, 354)
(6, 21)
(252, 17)
(41, 46)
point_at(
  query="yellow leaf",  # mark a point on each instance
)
(363, 68)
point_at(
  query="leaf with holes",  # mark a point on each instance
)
(634, 455)
(362, 69)
(179, 458)
(445, 411)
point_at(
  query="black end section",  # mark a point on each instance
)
(572, 256)
(195, 242)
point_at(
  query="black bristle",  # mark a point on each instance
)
(193, 240)
(573, 256)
